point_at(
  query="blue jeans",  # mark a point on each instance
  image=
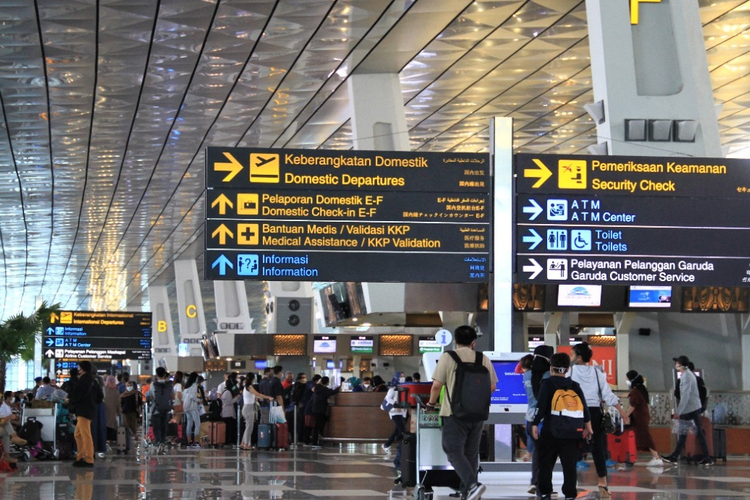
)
(700, 435)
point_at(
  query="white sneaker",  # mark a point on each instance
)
(386, 449)
(475, 492)
(531, 490)
(655, 462)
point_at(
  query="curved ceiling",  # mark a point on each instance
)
(108, 106)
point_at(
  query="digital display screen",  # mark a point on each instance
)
(261, 364)
(429, 344)
(509, 389)
(362, 344)
(324, 344)
(579, 295)
(650, 296)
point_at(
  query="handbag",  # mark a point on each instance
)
(607, 425)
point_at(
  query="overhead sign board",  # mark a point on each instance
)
(347, 215)
(97, 335)
(632, 220)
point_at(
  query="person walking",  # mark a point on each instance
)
(538, 371)
(640, 416)
(596, 390)
(559, 439)
(688, 408)
(461, 437)
(83, 399)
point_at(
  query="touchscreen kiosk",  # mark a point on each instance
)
(509, 395)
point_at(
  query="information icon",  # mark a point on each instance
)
(248, 264)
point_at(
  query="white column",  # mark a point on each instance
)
(377, 110)
(189, 305)
(162, 330)
(653, 70)
(623, 324)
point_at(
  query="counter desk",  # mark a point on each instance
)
(357, 416)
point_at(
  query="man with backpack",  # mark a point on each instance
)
(469, 380)
(161, 397)
(82, 401)
(564, 418)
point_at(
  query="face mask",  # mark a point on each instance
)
(12, 400)
(129, 388)
(402, 380)
(366, 385)
(629, 383)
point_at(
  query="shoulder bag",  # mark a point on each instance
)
(607, 424)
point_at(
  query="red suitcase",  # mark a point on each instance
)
(409, 390)
(622, 448)
(217, 434)
(693, 451)
(282, 436)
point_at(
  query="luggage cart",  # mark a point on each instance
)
(432, 465)
(48, 418)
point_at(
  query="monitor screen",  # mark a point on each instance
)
(579, 295)
(429, 344)
(650, 296)
(261, 364)
(362, 344)
(324, 344)
(509, 392)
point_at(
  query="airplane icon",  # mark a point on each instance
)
(260, 161)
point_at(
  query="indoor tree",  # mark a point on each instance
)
(18, 334)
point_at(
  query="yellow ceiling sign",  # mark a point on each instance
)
(634, 9)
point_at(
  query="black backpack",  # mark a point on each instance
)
(702, 393)
(214, 410)
(163, 397)
(470, 395)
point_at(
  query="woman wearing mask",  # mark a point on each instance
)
(191, 400)
(539, 370)
(640, 416)
(112, 408)
(595, 388)
(131, 402)
(249, 396)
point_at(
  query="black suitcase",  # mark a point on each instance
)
(720, 444)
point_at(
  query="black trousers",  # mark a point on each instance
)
(549, 449)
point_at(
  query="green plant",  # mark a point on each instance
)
(18, 335)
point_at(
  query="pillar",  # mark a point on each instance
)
(189, 305)
(650, 64)
(378, 117)
(162, 331)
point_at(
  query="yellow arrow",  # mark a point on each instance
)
(543, 173)
(223, 203)
(233, 167)
(53, 317)
(223, 231)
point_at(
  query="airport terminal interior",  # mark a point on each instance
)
(333, 186)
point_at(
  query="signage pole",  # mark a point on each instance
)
(501, 283)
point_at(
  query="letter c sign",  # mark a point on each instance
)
(191, 311)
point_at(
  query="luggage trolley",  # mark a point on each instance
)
(432, 465)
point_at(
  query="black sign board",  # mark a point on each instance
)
(343, 215)
(632, 220)
(97, 335)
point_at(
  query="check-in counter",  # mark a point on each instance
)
(357, 416)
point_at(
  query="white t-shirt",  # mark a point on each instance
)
(175, 389)
(248, 398)
(5, 410)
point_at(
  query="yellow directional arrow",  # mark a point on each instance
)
(223, 203)
(53, 317)
(233, 167)
(223, 231)
(543, 173)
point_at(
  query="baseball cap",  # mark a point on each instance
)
(683, 360)
(38, 379)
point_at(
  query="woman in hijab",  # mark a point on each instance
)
(640, 417)
(112, 407)
(538, 371)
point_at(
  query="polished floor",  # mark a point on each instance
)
(333, 472)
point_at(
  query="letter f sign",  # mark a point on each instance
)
(634, 6)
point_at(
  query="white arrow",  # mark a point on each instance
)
(534, 269)
(49, 353)
(534, 210)
(534, 239)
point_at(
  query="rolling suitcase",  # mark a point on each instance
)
(217, 434)
(123, 438)
(720, 444)
(622, 448)
(693, 451)
(265, 436)
(282, 436)
(408, 460)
